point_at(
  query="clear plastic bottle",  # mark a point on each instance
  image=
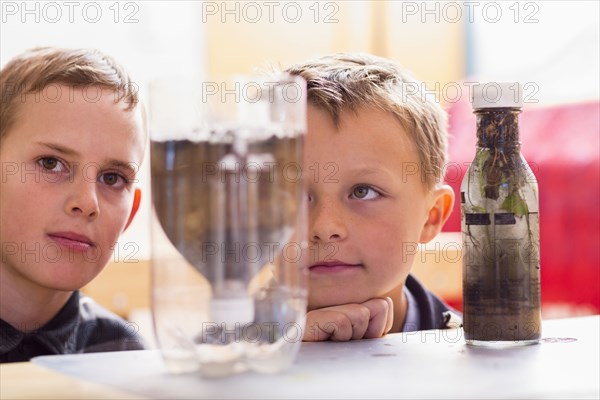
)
(229, 291)
(500, 227)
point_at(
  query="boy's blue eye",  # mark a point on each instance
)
(364, 192)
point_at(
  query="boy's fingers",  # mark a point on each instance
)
(338, 323)
(313, 332)
(371, 319)
(381, 317)
(390, 315)
(390, 323)
(357, 317)
(327, 325)
(350, 323)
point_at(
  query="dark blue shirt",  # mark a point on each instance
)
(425, 310)
(81, 326)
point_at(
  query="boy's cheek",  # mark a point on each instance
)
(9, 170)
(111, 223)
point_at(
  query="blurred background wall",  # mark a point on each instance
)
(552, 47)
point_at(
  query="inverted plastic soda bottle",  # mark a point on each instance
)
(500, 227)
(229, 292)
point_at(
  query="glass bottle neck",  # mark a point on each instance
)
(498, 129)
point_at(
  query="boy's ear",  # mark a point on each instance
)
(137, 197)
(443, 201)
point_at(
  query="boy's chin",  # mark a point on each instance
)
(69, 285)
(316, 302)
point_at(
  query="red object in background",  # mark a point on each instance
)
(562, 146)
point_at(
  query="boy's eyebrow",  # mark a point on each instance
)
(118, 164)
(59, 148)
(122, 165)
(365, 171)
(368, 171)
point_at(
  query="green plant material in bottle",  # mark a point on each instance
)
(500, 226)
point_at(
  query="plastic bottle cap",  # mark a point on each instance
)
(497, 95)
(232, 311)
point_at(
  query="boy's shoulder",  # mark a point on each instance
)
(428, 310)
(102, 330)
(81, 326)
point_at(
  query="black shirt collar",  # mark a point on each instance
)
(56, 337)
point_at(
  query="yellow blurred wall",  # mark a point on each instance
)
(433, 51)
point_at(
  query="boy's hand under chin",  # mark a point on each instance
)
(368, 320)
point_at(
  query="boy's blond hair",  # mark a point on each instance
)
(342, 82)
(34, 70)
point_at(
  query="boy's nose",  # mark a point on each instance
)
(83, 200)
(326, 223)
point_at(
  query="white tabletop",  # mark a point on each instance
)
(426, 364)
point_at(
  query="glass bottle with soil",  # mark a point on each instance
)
(500, 227)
